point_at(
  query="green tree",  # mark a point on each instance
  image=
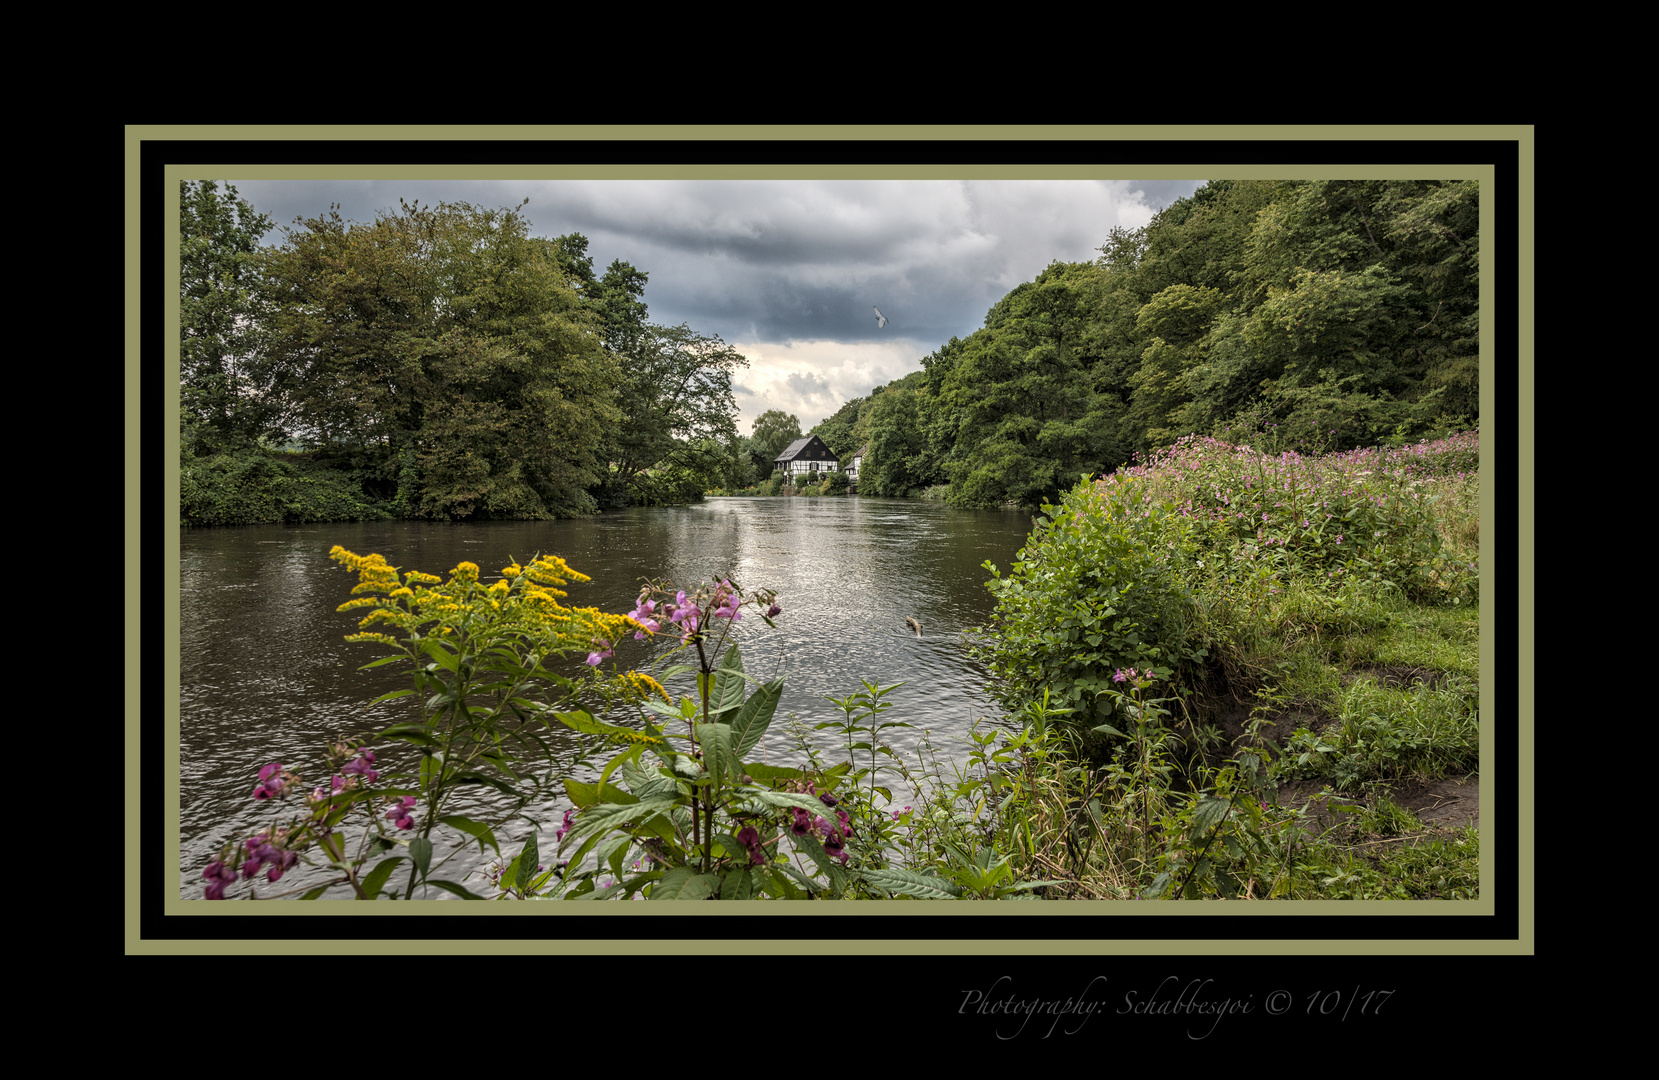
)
(1021, 394)
(1176, 324)
(840, 432)
(677, 408)
(1368, 291)
(769, 434)
(443, 354)
(225, 395)
(897, 461)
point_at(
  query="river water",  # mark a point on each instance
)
(265, 675)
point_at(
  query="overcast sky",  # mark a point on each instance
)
(788, 271)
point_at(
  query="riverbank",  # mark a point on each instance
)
(1262, 677)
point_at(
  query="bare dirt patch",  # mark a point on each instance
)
(1441, 805)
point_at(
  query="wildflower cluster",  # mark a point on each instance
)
(277, 850)
(1368, 511)
(832, 833)
(272, 781)
(1138, 679)
(661, 607)
(262, 852)
(402, 812)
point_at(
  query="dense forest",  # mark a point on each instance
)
(1291, 314)
(443, 363)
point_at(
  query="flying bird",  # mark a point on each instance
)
(881, 320)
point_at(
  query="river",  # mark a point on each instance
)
(265, 675)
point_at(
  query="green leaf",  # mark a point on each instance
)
(728, 684)
(473, 777)
(450, 886)
(737, 886)
(1211, 811)
(583, 721)
(752, 719)
(652, 705)
(606, 816)
(768, 774)
(715, 740)
(683, 883)
(585, 795)
(420, 851)
(789, 800)
(628, 756)
(781, 875)
(440, 654)
(312, 894)
(376, 879)
(430, 767)
(910, 883)
(527, 863)
(477, 830)
(827, 866)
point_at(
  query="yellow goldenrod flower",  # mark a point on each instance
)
(384, 639)
(644, 685)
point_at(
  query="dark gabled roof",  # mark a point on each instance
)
(863, 451)
(806, 448)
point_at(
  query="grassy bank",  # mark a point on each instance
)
(1240, 675)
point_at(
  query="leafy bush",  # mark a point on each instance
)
(255, 487)
(835, 483)
(1094, 590)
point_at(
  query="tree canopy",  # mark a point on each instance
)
(1311, 313)
(445, 361)
(224, 393)
(676, 399)
(770, 433)
(442, 353)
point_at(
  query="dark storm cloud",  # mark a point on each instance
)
(783, 260)
(789, 270)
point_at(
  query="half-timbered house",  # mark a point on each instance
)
(807, 454)
(857, 462)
